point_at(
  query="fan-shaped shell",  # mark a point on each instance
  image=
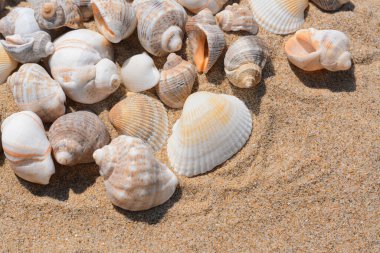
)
(330, 5)
(279, 16)
(176, 83)
(133, 178)
(142, 117)
(19, 21)
(34, 90)
(75, 136)
(211, 129)
(312, 50)
(244, 61)
(196, 6)
(27, 148)
(7, 65)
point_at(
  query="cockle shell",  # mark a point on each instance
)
(329, 5)
(139, 73)
(34, 90)
(27, 148)
(312, 50)
(75, 136)
(237, 18)
(177, 80)
(134, 179)
(19, 21)
(7, 64)
(244, 61)
(160, 25)
(82, 64)
(211, 129)
(28, 48)
(142, 117)
(196, 6)
(279, 16)
(114, 19)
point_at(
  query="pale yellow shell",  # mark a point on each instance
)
(7, 65)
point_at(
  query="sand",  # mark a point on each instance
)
(307, 180)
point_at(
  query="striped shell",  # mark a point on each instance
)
(75, 136)
(34, 90)
(19, 21)
(330, 5)
(142, 117)
(7, 65)
(134, 179)
(211, 129)
(196, 6)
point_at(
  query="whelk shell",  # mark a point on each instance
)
(329, 5)
(19, 21)
(196, 6)
(7, 64)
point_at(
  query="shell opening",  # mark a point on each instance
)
(172, 39)
(48, 10)
(201, 54)
(100, 20)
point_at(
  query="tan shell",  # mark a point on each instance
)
(203, 17)
(177, 79)
(142, 117)
(329, 5)
(196, 6)
(19, 21)
(7, 65)
(75, 136)
(134, 179)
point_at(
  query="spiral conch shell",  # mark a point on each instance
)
(34, 90)
(329, 5)
(196, 6)
(312, 50)
(211, 129)
(142, 117)
(115, 19)
(19, 21)
(134, 179)
(160, 25)
(279, 16)
(177, 80)
(7, 64)
(75, 136)
(82, 64)
(244, 61)
(27, 148)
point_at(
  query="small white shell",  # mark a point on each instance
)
(7, 64)
(19, 21)
(196, 6)
(329, 5)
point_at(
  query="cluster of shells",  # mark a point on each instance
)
(212, 127)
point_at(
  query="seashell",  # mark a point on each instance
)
(115, 19)
(330, 5)
(28, 48)
(34, 90)
(19, 21)
(196, 6)
(237, 18)
(279, 16)
(160, 25)
(82, 64)
(211, 129)
(134, 179)
(27, 148)
(139, 73)
(203, 17)
(244, 61)
(75, 136)
(177, 80)
(142, 117)
(7, 64)
(311, 50)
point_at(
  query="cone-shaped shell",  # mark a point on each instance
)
(75, 136)
(34, 90)
(134, 179)
(312, 50)
(244, 61)
(211, 129)
(330, 5)
(279, 16)
(142, 117)
(19, 21)
(7, 65)
(115, 19)
(196, 6)
(177, 80)
(27, 148)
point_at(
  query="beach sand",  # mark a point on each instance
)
(307, 180)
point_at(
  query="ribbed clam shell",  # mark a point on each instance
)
(211, 129)
(329, 5)
(196, 6)
(279, 16)
(115, 19)
(244, 61)
(142, 117)
(34, 90)
(133, 178)
(177, 80)
(75, 136)
(7, 65)
(27, 148)
(311, 50)
(19, 21)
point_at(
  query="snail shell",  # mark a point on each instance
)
(7, 64)
(142, 117)
(134, 179)
(196, 6)
(27, 148)
(19, 21)
(203, 17)
(75, 136)
(177, 80)
(311, 50)
(244, 61)
(330, 5)
(160, 25)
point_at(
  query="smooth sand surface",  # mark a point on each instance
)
(307, 180)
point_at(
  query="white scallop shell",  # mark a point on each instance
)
(19, 21)
(7, 64)
(196, 6)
